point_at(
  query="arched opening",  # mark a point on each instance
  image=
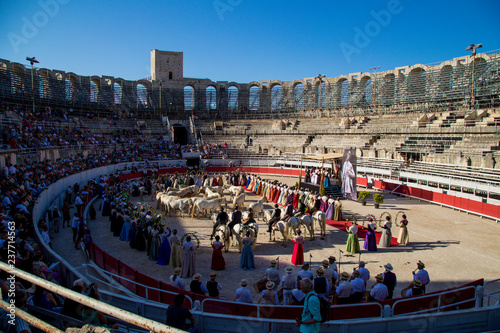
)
(211, 98)
(93, 91)
(299, 96)
(68, 90)
(254, 98)
(416, 85)
(180, 134)
(276, 98)
(170, 76)
(142, 95)
(344, 93)
(41, 86)
(232, 98)
(321, 93)
(117, 93)
(188, 98)
(368, 94)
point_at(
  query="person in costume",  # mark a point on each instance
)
(403, 237)
(370, 243)
(352, 245)
(175, 245)
(165, 248)
(385, 239)
(188, 258)
(298, 251)
(218, 262)
(246, 259)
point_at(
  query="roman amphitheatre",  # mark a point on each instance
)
(425, 136)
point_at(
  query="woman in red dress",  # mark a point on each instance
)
(298, 251)
(218, 262)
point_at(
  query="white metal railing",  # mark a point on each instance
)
(105, 308)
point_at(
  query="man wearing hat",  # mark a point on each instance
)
(358, 287)
(197, 286)
(272, 274)
(305, 273)
(274, 218)
(344, 289)
(415, 290)
(243, 295)
(421, 275)
(221, 219)
(270, 296)
(333, 268)
(379, 291)
(389, 279)
(213, 286)
(288, 283)
(235, 218)
(175, 279)
(328, 272)
(321, 285)
(363, 272)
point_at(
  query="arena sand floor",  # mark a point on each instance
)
(456, 247)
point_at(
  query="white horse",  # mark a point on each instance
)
(305, 220)
(258, 207)
(281, 226)
(239, 200)
(320, 218)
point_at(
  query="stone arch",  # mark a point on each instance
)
(118, 92)
(211, 97)
(275, 96)
(298, 92)
(366, 90)
(321, 93)
(94, 90)
(343, 88)
(232, 97)
(254, 97)
(141, 94)
(188, 97)
(417, 83)
(446, 78)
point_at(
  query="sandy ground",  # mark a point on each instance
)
(455, 247)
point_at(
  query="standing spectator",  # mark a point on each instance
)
(66, 214)
(321, 285)
(364, 273)
(344, 289)
(82, 225)
(358, 288)
(69, 194)
(243, 295)
(288, 283)
(269, 295)
(197, 286)
(379, 291)
(177, 314)
(188, 258)
(213, 286)
(311, 316)
(56, 219)
(175, 280)
(421, 275)
(272, 274)
(79, 204)
(389, 279)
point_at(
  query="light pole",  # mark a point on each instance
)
(32, 62)
(374, 93)
(473, 48)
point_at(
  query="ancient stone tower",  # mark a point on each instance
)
(166, 66)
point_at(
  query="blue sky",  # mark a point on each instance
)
(243, 40)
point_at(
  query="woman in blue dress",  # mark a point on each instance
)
(124, 235)
(164, 253)
(246, 259)
(326, 183)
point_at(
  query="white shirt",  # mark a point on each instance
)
(379, 292)
(243, 295)
(364, 274)
(177, 283)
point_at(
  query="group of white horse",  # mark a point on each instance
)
(195, 201)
